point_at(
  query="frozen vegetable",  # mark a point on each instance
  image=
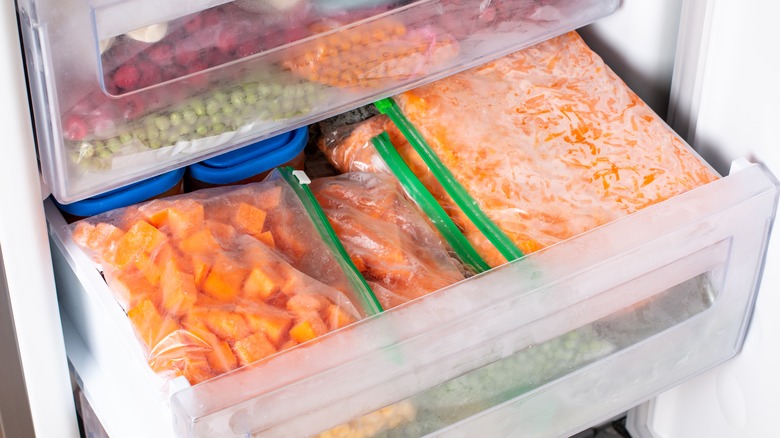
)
(501, 381)
(165, 51)
(220, 278)
(386, 237)
(371, 55)
(555, 143)
(350, 148)
(374, 423)
(104, 133)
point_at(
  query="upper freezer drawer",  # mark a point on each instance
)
(124, 90)
(547, 345)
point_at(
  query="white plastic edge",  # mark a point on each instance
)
(27, 259)
(689, 62)
(302, 177)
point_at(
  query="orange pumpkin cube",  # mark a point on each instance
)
(178, 290)
(179, 218)
(259, 285)
(149, 324)
(249, 219)
(253, 348)
(221, 357)
(201, 242)
(229, 326)
(304, 303)
(225, 279)
(138, 244)
(99, 238)
(267, 238)
(308, 329)
(275, 327)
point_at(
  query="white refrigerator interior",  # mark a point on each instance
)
(729, 108)
(723, 99)
(25, 256)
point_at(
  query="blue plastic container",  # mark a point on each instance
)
(250, 163)
(167, 184)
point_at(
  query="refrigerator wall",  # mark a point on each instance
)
(726, 91)
(26, 260)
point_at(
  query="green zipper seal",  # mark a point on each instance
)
(428, 204)
(370, 305)
(492, 232)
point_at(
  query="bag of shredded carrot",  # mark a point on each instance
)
(548, 141)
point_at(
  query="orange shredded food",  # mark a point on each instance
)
(548, 140)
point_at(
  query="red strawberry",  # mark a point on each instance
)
(194, 24)
(150, 74)
(214, 57)
(228, 39)
(161, 54)
(74, 128)
(211, 17)
(126, 77)
(186, 52)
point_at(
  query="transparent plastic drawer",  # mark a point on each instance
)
(544, 346)
(124, 90)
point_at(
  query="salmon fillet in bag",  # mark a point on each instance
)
(550, 142)
(220, 278)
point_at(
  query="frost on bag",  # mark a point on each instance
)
(555, 144)
(387, 238)
(349, 149)
(220, 278)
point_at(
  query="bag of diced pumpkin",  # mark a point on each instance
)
(220, 278)
(547, 141)
(387, 238)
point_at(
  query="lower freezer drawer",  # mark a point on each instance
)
(545, 346)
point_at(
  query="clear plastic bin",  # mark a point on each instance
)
(124, 90)
(610, 318)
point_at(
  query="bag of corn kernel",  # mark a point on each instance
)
(220, 278)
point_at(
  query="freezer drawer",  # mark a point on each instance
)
(124, 90)
(547, 345)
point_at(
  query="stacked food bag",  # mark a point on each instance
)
(547, 142)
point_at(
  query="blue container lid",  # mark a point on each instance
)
(124, 196)
(248, 161)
